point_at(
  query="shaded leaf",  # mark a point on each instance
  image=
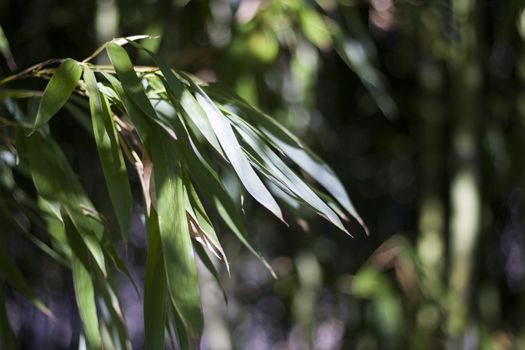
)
(84, 290)
(155, 288)
(111, 158)
(177, 250)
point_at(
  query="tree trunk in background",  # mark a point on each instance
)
(431, 221)
(465, 194)
(106, 25)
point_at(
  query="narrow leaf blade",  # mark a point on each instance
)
(110, 154)
(58, 90)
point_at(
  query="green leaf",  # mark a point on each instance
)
(7, 217)
(179, 92)
(280, 171)
(199, 217)
(111, 312)
(58, 184)
(58, 90)
(111, 158)
(318, 170)
(5, 50)
(231, 147)
(289, 144)
(138, 117)
(184, 340)
(212, 189)
(130, 82)
(84, 290)
(177, 250)
(206, 261)
(14, 277)
(155, 289)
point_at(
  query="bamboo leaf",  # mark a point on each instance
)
(130, 82)
(111, 158)
(196, 210)
(240, 163)
(58, 90)
(83, 284)
(206, 261)
(184, 340)
(5, 50)
(155, 289)
(180, 93)
(207, 180)
(177, 250)
(212, 189)
(56, 182)
(290, 145)
(279, 170)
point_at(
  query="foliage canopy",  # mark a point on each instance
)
(179, 135)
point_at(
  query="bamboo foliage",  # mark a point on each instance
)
(172, 130)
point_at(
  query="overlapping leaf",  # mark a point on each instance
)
(174, 131)
(110, 153)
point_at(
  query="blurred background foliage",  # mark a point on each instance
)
(419, 106)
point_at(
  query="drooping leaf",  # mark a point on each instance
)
(155, 288)
(5, 50)
(58, 90)
(278, 169)
(131, 83)
(198, 214)
(212, 189)
(206, 179)
(83, 284)
(111, 312)
(177, 250)
(294, 149)
(206, 261)
(111, 158)
(56, 182)
(231, 147)
(184, 340)
(180, 93)
(357, 50)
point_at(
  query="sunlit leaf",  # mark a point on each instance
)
(58, 90)
(290, 145)
(240, 163)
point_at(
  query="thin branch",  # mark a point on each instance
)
(31, 70)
